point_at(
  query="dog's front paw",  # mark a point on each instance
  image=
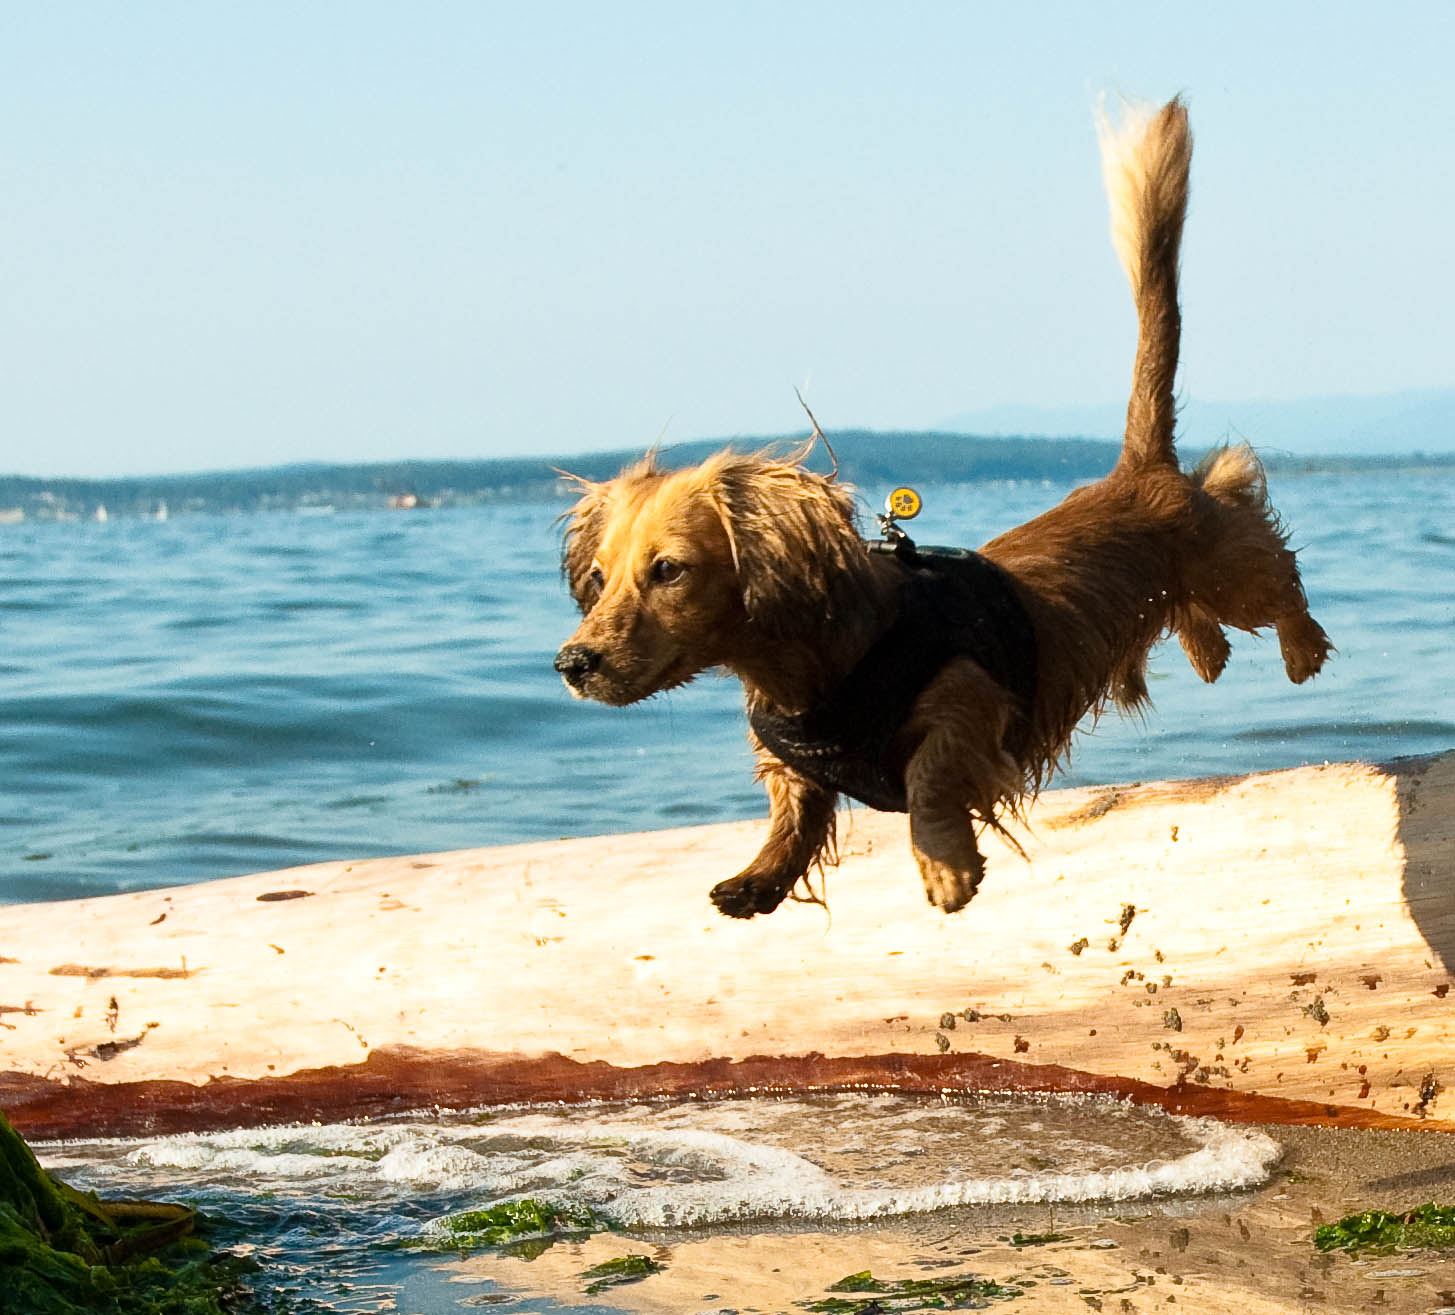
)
(748, 893)
(948, 888)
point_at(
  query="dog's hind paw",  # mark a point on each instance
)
(1304, 645)
(748, 893)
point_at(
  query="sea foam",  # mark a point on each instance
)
(701, 1163)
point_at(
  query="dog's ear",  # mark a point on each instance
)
(585, 524)
(795, 544)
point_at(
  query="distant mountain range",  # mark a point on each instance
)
(1393, 423)
(872, 459)
(868, 458)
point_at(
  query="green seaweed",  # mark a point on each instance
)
(961, 1292)
(621, 1269)
(1019, 1240)
(524, 1226)
(1427, 1226)
(64, 1251)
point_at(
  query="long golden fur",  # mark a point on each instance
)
(756, 565)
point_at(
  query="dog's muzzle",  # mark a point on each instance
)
(576, 662)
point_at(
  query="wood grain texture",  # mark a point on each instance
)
(1288, 934)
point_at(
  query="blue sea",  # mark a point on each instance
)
(215, 695)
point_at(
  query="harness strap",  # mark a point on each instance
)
(953, 603)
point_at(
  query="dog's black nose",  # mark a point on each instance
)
(575, 662)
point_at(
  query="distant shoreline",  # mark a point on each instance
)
(867, 458)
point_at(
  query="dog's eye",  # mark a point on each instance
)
(666, 571)
(594, 584)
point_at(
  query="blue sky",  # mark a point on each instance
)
(240, 234)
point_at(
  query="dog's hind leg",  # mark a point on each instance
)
(1245, 575)
(800, 832)
(958, 770)
(1302, 641)
(1204, 642)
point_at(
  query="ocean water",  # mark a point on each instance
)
(215, 695)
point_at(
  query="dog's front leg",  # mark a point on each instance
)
(943, 838)
(957, 767)
(942, 832)
(800, 829)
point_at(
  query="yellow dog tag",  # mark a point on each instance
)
(903, 504)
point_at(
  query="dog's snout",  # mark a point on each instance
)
(575, 662)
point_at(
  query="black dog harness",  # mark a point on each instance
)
(953, 603)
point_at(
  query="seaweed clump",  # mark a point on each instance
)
(63, 1251)
(523, 1226)
(910, 1294)
(1427, 1226)
(1020, 1240)
(620, 1269)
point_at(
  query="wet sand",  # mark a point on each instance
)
(1250, 1253)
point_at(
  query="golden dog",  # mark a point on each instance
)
(945, 686)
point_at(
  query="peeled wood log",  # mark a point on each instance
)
(1205, 943)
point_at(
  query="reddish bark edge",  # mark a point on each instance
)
(394, 1080)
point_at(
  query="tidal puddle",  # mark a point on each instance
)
(366, 1216)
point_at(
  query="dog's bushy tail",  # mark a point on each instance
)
(1234, 476)
(1145, 160)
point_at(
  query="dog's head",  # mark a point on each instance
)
(679, 571)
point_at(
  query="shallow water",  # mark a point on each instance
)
(331, 1227)
(367, 1206)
